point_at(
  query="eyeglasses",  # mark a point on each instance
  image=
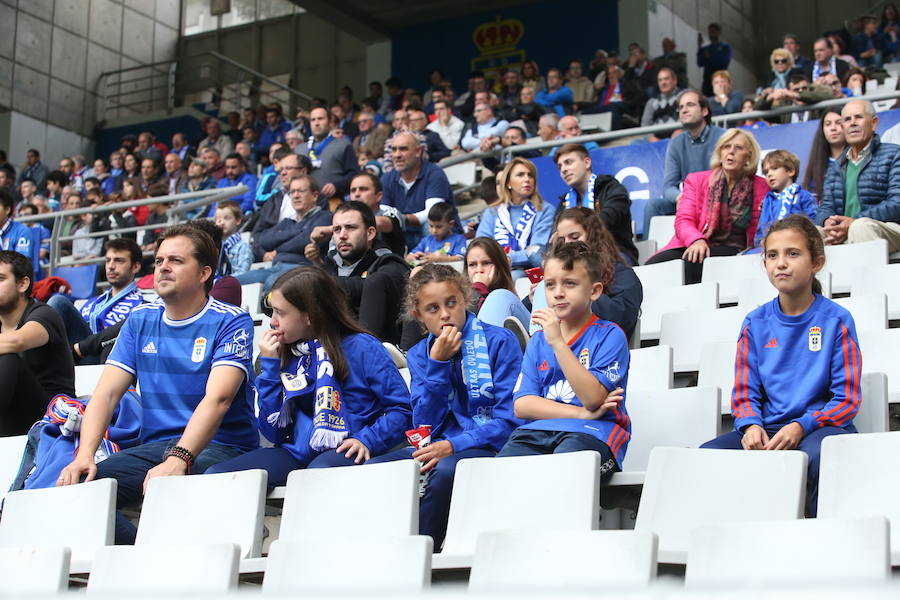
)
(780, 61)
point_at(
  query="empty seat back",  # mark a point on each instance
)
(683, 298)
(687, 332)
(650, 369)
(32, 571)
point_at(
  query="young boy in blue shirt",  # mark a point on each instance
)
(574, 374)
(442, 245)
(785, 196)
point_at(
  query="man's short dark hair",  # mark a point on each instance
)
(715, 26)
(34, 151)
(58, 177)
(282, 152)
(368, 217)
(375, 181)
(476, 74)
(93, 180)
(702, 100)
(6, 199)
(124, 245)
(204, 249)
(21, 267)
(237, 157)
(208, 226)
(304, 163)
(28, 206)
(797, 77)
(395, 82)
(519, 129)
(827, 41)
(272, 109)
(441, 212)
(29, 179)
(441, 101)
(568, 148)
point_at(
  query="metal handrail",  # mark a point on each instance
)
(201, 198)
(621, 133)
(265, 78)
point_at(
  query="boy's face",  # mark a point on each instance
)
(569, 293)
(440, 229)
(226, 222)
(778, 177)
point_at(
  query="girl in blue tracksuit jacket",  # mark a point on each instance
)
(798, 364)
(462, 378)
(329, 393)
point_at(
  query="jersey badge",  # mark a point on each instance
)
(199, 350)
(584, 357)
(815, 339)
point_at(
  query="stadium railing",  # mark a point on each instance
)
(175, 214)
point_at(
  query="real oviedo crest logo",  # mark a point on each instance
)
(815, 339)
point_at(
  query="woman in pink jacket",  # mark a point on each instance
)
(719, 209)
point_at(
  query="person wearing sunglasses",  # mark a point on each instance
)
(782, 67)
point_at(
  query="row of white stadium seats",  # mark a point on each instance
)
(704, 508)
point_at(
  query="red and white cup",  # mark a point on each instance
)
(419, 438)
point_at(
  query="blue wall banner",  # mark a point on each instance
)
(505, 38)
(639, 166)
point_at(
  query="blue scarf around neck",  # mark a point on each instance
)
(476, 372)
(514, 238)
(100, 310)
(572, 200)
(315, 150)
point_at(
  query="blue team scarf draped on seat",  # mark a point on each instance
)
(514, 238)
(310, 371)
(102, 307)
(571, 200)
(476, 371)
(314, 151)
(787, 199)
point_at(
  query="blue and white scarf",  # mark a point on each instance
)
(476, 372)
(231, 241)
(105, 302)
(4, 243)
(572, 200)
(314, 150)
(311, 371)
(787, 199)
(508, 236)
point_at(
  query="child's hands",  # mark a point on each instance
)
(447, 344)
(549, 322)
(269, 343)
(612, 401)
(432, 453)
(787, 438)
(755, 438)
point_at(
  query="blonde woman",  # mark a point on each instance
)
(719, 209)
(782, 64)
(520, 221)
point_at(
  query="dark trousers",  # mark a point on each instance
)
(278, 463)
(530, 442)
(434, 507)
(693, 272)
(379, 306)
(811, 445)
(129, 468)
(23, 399)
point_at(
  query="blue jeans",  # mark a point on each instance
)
(811, 445)
(434, 507)
(531, 442)
(500, 304)
(129, 468)
(657, 208)
(278, 463)
(268, 276)
(76, 327)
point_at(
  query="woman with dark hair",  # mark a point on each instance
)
(840, 50)
(132, 190)
(131, 166)
(827, 145)
(329, 393)
(889, 26)
(719, 209)
(855, 81)
(621, 300)
(531, 76)
(487, 268)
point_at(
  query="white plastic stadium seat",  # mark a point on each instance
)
(173, 568)
(873, 415)
(596, 122)
(31, 571)
(530, 561)
(879, 279)
(650, 369)
(205, 509)
(879, 351)
(659, 301)
(686, 332)
(11, 450)
(318, 566)
(800, 552)
(86, 378)
(367, 500)
(869, 311)
(858, 477)
(730, 271)
(683, 417)
(251, 297)
(717, 370)
(523, 287)
(558, 492)
(685, 488)
(39, 518)
(845, 260)
(662, 230)
(646, 249)
(661, 275)
(461, 174)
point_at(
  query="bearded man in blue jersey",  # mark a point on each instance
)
(190, 354)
